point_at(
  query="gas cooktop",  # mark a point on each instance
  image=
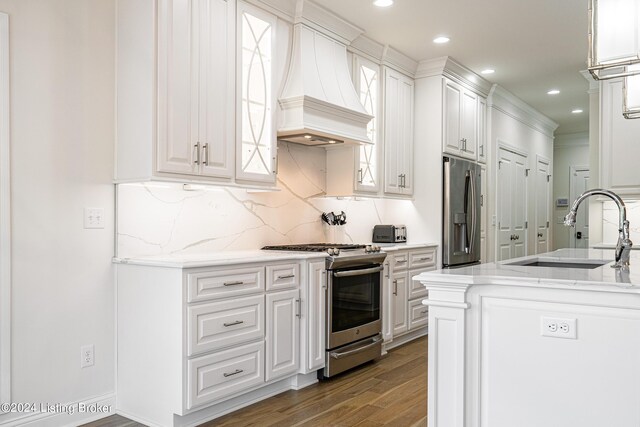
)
(314, 247)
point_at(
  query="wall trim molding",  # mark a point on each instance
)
(452, 69)
(5, 215)
(504, 101)
(568, 140)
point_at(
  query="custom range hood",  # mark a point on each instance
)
(319, 105)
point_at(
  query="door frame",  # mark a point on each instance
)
(573, 169)
(5, 215)
(542, 159)
(503, 145)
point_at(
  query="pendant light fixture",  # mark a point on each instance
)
(614, 38)
(631, 94)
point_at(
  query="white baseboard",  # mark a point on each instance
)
(403, 339)
(301, 381)
(68, 415)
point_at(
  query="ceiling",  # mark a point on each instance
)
(534, 45)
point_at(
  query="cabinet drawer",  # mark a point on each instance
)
(418, 314)
(221, 324)
(283, 276)
(416, 289)
(220, 375)
(422, 258)
(400, 261)
(224, 283)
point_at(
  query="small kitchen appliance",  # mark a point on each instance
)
(389, 234)
(353, 291)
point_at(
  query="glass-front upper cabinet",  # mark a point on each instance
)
(256, 131)
(366, 77)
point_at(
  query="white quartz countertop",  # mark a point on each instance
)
(603, 278)
(213, 259)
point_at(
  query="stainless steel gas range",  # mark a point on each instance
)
(354, 290)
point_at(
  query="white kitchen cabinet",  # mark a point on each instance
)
(483, 213)
(398, 132)
(482, 130)
(403, 316)
(283, 329)
(314, 318)
(196, 338)
(195, 82)
(366, 78)
(256, 99)
(619, 148)
(399, 288)
(462, 114)
(194, 101)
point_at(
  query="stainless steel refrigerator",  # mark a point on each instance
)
(461, 213)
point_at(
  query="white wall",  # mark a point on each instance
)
(62, 131)
(568, 150)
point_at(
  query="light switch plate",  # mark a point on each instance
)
(93, 217)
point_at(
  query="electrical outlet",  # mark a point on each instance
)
(87, 356)
(558, 328)
(93, 217)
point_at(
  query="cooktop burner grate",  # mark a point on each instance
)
(313, 247)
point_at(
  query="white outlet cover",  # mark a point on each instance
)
(93, 217)
(558, 327)
(87, 356)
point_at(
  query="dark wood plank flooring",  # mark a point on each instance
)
(389, 392)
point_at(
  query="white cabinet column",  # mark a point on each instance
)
(446, 365)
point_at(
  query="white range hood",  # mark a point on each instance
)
(319, 104)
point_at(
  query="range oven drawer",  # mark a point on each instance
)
(350, 355)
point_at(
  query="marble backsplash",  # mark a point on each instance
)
(610, 220)
(160, 219)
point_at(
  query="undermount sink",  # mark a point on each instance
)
(559, 264)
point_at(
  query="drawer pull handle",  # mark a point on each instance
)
(401, 261)
(424, 311)
(238, 371)
(427, 258)
(237, 322)
(233, 283)
(288, 276)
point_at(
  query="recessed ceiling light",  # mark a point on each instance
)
(576, 111)
(488, 71)
(553, 92)
(441, 39)
(383, 3)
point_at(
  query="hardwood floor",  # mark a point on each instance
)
(389, 392)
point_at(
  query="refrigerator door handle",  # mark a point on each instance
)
(474, 213)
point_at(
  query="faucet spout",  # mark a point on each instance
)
(624, 244)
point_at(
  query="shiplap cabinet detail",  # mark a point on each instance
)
(464, 114)
(194, 92)
(619, 148)
(398, 132)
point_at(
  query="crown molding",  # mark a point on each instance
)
(506, 102)
(383, 55)
(575, 139)
(450, 68)
(317, 17)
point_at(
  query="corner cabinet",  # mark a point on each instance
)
(464, 121)
(398, 132)
(189, 100)
(619, 148)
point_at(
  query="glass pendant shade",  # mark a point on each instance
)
(631, 95)
(614, 38)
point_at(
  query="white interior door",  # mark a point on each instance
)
(512, 205)
(543, 197)
(579, 237)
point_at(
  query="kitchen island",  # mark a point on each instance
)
(535, 345)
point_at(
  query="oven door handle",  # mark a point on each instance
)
(337, 355)
(357, 272)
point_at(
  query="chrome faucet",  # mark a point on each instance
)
(623, 247)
